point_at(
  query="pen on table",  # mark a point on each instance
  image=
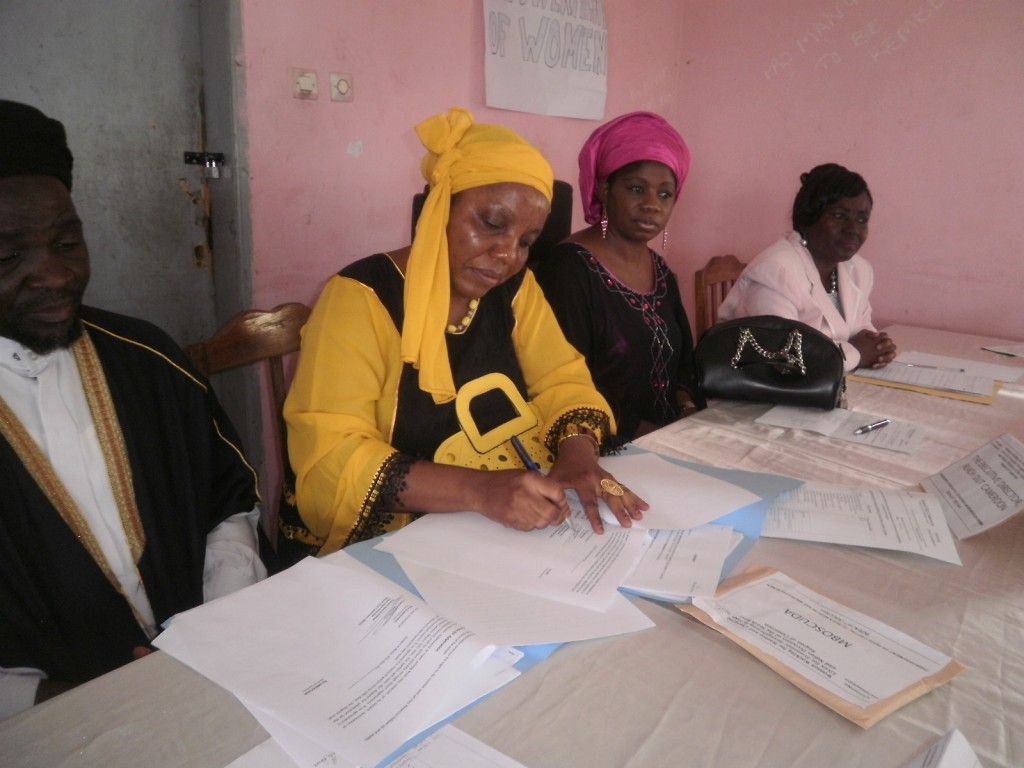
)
(533, 466)
(929, 367)
(870, 427)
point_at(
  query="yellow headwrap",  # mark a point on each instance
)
(460, 155)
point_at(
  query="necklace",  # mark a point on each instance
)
(464, 323)
(833, 279)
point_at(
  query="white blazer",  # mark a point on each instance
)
(783, 280)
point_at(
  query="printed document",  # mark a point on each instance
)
(370, 667)
(839, 424)
(680, 498)
(577, 566)
(983, 489)
(937, 372)
(885, 519)
(678, 565)
(951, 751)
(850, 660)
(509, 617)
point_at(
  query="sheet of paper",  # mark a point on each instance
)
(951, 751)
(857, 658)
(917, 369)
(885, 519)
(680, 498)
(994, 371)
(1008, 350)
(983, 489)
(451, 747)
(577, 567)
(508, 617)
(373, 666)
(678, 565)
(840, 424)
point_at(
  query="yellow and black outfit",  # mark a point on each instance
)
(368, 400)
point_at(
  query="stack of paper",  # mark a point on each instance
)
(940, 375)
(370, 667)
(983, 489)
(885, 519)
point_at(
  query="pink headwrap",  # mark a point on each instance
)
(624, 140)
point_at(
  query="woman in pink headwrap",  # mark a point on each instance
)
(615, 298)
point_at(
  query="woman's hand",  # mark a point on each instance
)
(522, 500)
(576, 467)
(876, 348)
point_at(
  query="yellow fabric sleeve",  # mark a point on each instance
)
(341, 405)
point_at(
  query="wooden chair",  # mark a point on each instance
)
(256, 336)
(711, 285)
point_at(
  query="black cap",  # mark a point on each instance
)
(32, 144)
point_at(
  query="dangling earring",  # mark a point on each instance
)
(604, 223)
(664, 240)
(803, 240)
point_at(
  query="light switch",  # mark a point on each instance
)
(304, 85)
(342, 88)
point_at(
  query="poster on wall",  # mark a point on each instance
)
(549, 57)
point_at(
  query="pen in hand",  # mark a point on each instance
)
(871, 427)
(533, 466)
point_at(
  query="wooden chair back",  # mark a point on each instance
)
(711, 285)
(255, 336)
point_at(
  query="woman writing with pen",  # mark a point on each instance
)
(422, 367)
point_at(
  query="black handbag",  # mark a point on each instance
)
(769, 359)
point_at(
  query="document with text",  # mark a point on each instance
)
(906, 521)
(678, 565)
(983, 489)
(680, 498)
(370, 667)
(937, 372)
(572, 565)
(856, 665)
(839, 424)
(510, 617)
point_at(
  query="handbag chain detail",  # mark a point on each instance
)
(791, 352)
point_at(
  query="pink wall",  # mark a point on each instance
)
(333, 181)
(921, 96)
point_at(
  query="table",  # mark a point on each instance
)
(679, 694)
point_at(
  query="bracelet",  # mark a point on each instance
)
(575, 430)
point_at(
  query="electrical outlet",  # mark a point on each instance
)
(304, 85)
(342, 88)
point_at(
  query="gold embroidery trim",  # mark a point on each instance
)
(115, 456)
(111, 439)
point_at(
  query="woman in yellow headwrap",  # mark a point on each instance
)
(423, 367)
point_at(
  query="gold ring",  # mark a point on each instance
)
(610, 486)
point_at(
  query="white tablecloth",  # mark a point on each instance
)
(679, 694)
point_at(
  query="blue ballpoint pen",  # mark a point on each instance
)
(533, 466)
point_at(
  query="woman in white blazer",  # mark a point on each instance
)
(815, 274)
